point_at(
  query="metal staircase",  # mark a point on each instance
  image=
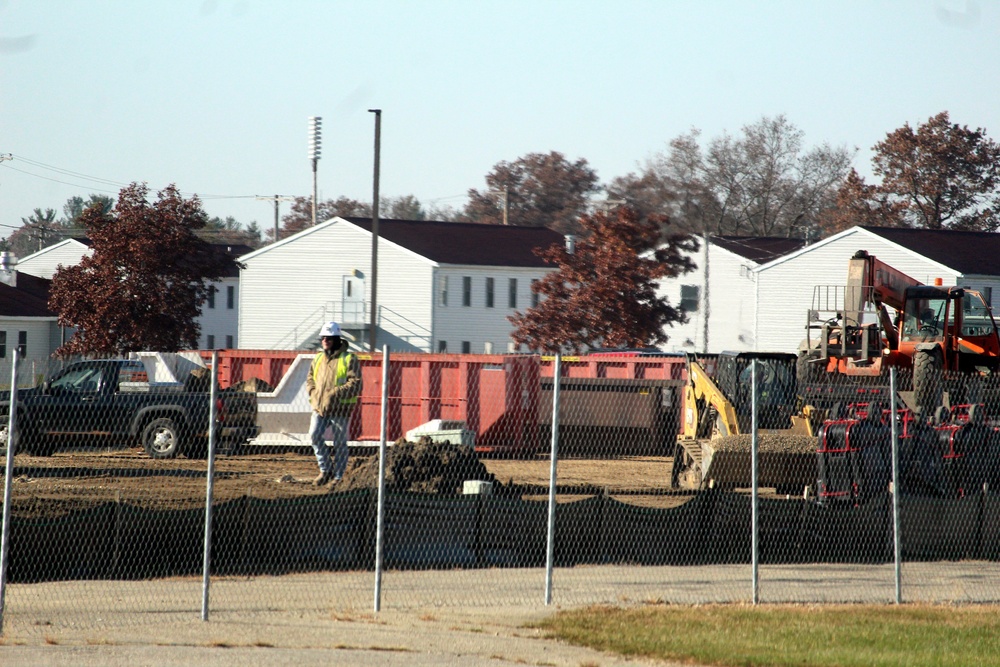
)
(398, 331)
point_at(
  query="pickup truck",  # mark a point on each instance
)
(111, 402)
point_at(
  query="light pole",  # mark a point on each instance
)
(315, 127)
(378, 139)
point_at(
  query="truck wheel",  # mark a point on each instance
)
(161, 438)
(928, 392)
(29, 442)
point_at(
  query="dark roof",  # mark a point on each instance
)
(233, 250)
(466, 242)
(759, 249)
(16, 302)
(966, 252)
(33, 285)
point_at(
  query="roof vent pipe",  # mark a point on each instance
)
(570, 244)
(8, 274)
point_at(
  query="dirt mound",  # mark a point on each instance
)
(424, 466)
(768, 442)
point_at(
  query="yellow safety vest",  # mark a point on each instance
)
(343, 363)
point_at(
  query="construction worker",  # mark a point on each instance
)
(334, 385)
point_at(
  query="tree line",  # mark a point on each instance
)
(134, 293)
(763, 181)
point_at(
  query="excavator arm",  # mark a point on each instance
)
(706, 407)
(872, 281)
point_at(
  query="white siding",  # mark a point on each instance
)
(785, 286)
(289, 289)
(221, 321)
(44, 263)
(39, 338)
(481, 326)
(730, 311)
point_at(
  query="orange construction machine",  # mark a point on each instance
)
(886, 318)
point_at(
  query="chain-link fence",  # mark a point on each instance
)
(478, 480)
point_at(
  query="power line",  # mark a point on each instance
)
(102, 181)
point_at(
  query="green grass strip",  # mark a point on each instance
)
(778, 635)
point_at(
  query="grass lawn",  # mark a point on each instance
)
(824, 636)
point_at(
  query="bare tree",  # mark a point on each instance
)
(762, 182)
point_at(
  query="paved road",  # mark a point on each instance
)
(452, 617)
(422, 638)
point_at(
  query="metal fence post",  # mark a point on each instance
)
(754, 496)
(554, 456)
(380, 520)
(8, 480)
(897, 535)
(209, 488)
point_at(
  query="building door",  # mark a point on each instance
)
(354, 299)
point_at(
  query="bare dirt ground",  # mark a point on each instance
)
(76, 479)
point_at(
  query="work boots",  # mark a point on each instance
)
(322, 479)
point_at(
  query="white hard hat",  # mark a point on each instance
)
(330, 329)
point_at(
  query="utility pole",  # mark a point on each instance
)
(276, 199)
(506, 202)
(706, 300)
(375, 178)
(315, 130)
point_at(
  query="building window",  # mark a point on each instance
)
(211, 296)
(444, 290)
(512, 293)
(210, 342)
(466, 347)
(466, 291)
(229, 342)
(489, 292)
(22, 344)
(3, 344)
(689, 298)
(534, 294)
(231, 297)
(488, 347)
(442, 346)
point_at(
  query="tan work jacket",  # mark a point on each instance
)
(334, 383)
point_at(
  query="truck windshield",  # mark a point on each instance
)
(83, 379)
(924, 319)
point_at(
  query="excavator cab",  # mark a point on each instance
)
(952, 322)
(775, 387)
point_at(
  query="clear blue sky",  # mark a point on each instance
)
(214, 95)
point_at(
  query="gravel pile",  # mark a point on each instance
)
(767, 442)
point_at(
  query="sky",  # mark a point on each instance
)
(214, 96)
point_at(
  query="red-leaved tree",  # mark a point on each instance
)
(604, 293)
(940, 176)
(143, 286)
